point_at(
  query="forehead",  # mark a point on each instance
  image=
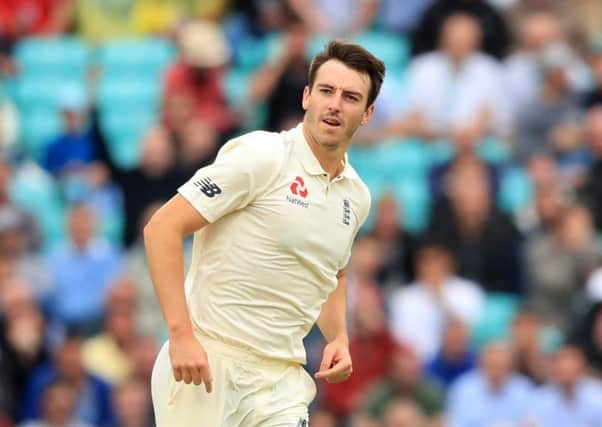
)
(339, 75)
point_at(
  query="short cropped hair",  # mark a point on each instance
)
(355, 57)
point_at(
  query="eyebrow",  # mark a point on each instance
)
(347, 91)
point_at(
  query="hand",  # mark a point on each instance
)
(189, 361)
(336, 362)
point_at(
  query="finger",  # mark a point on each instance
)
(207, 379)
(339, 370)
(326, 359)
(197, 377)
(177, 374)
(186, 375)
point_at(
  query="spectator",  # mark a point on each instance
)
(21, 343)
(322, 418)
(496, 36)
(82, 270)
(370, 347)
(197, 77)
(101, 21)
(280, 82)
(58, 407)
(197, 145)
(93, 403)
(588, 336)
(73, 150)
(403, 20)
(591, 190)
(398, 245)
(549, 122)
(465, 140)
(149, 319)
(405, 380)
(455, 357)
(108, 354)
(593, 97)
(493, 394)
(571, 398)
(538, 30)
(21, 18)
(527, 334)
(153, 180)
(336, 19)
(558, 262)
(403, 413)
(454, 86)
(484, 240)
(436, 295)
(26, 222)
(132, 402)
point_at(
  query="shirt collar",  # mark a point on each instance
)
(308, 159)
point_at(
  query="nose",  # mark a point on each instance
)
(334, 103)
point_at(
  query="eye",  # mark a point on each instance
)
(325, 90)
(352, 98)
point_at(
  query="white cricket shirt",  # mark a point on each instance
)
(279, 232)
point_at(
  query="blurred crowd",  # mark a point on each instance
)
(475, 288)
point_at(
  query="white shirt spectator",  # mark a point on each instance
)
(593, 287)
(418, 305)
(448, 96)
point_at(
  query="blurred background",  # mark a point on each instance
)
(475, 288)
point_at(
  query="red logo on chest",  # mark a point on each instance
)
(298, 187)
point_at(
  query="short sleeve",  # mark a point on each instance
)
(242, 169)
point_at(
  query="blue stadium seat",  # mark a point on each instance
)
(36, 192)
(516, 190)
(142, 57)
(63, 57)
(38, 127)
(253, 52)
(500, 310)
(413, 196)
(392, 48)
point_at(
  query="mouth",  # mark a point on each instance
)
(332, 122)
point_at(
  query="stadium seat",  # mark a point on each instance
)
(66, 58)
(516, 190)
(413, 196)
(392, 48)
(38, 127)
(254, 52)
(142, 57)
(35, 191)
(495, 323)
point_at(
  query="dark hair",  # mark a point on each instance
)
(355, 57)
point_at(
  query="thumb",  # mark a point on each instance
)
(327, 359)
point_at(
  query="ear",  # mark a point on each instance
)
(305, 101)
(367, 115)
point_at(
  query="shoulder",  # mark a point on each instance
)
(260, 145)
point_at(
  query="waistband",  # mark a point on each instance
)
(236, 351)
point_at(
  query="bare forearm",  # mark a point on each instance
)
(166, 265)
(332, 320)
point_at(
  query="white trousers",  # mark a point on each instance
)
(248, 391)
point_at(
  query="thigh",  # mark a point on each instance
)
(177, 404)
(287, 403)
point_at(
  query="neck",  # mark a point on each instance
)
(332, 161)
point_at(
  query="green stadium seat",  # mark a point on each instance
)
(61, 57)
(494, 150)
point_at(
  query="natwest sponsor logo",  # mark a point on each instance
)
(298, 187)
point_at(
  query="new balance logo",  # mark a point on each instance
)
(207, 186)
(302, 422)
